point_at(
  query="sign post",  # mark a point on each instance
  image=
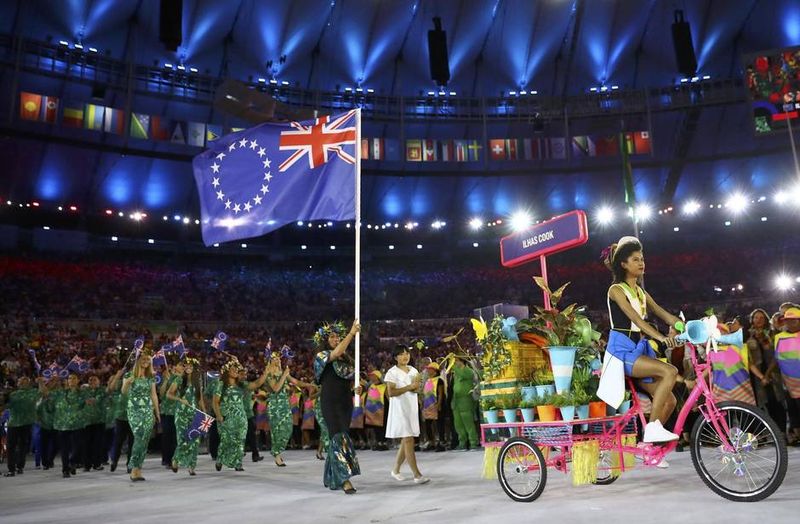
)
(553, 236)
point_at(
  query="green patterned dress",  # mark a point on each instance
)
(280, 416)
(324, 437)
(233, 429)
(186, 452)
(141, 418)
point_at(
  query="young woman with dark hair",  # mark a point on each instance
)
(186, 391)
(628, 308)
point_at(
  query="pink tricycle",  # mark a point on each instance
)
(736, 448)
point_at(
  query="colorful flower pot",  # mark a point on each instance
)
(562, 360)
(567, 413)
(547, 389)
(510, 415)
(528, 393)
(583, 413)
(528, 414)
(624, 407)
(492, 416)
(546, 413)
(597, 409)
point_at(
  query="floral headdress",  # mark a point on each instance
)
(191, 361)
(232, 363)
(322, 334)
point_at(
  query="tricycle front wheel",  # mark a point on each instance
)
(521, 469)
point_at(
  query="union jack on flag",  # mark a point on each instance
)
(219, 341)
(314, 177)
(200, 425)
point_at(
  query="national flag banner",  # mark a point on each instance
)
(114, 121)
(160, 128)
(512, 149)
(52, 371)
(642, 143)
(78, 365)
(607, 145)
(73, 115)
(178, 134)
(527, 149)
(140, 126)
(213, 132)
(377, 149)
(178, 346)
(49, 109)
(446, 151)
(393, 150)
(30, 106)
(474, 148)
(414, 150)
(497, 149)
(200, 425)
(460, 147)
(93, 117)
(220, 339)
(160, 358)
(583, 146)
(429, 151)
(627, 174)
(196, 134)
(558, 148)
(365, 149)
(256, 181)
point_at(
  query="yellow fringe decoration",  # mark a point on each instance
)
(490, 454)
(629, 441)
(585, 456)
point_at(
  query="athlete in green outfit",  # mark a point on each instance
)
(22, 414)
(68, 421)
(229, 410)
(280, 413)
(142, 406)
(187, 393)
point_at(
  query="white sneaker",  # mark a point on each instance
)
(655, 432)
(397, 476)
(421, 480)
(663, 464)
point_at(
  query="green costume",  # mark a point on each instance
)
(141, 418)
(22, 407)
(280, 416)
(69, 405)
(112, 402)
(167, 406)
(186, 452)
(94, 413)
(121, 406)
(464, 407)
(45, 412)
(324, 437)
(233, 428)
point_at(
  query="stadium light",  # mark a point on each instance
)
(737, 203)
(605, 215)
(783, 282)
(691, 207)
(520, 220)
(476, 223)
(643, 212)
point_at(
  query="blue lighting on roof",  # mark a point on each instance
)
(49, 186)
(118, 187)
(791, 24)
(156, 189)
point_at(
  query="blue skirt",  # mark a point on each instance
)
(625, 349)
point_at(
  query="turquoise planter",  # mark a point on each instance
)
(492, 416)
(610, 412)
(624, 407)
(528, 393)
(583, 413)
(528, 414)
(510, 415)
(567, 413)
(562, 360)
(547, 389)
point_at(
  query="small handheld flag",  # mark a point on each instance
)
(78, 365)
(200, 425)
(220, 339)
(159, 358)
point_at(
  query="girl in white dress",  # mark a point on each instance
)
(402, 382)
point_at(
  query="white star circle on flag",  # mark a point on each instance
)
(244, 145)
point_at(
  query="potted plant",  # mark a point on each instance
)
(490, 411)
(597, 408)
(528, 409)
(542, 379)
(509, 404)
(545, 408)
(565, 330)
(566, 405)
(496, 357)
(528, 391)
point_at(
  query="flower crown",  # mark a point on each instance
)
(191, 361)
(325, 331)
(232, 363)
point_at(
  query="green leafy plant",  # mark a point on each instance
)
(543, 400)
(509, 401)
(488, 403)
(530, 403)
(561, 327)
(561, 400)
(496, 357)
(541, 377)
(580, 397)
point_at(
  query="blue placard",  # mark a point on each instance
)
(562, 232)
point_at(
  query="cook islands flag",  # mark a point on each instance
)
(257, 180)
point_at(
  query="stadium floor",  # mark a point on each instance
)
(265, 493)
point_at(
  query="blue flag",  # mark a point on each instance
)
(159, 358)
(255, 181)
(220, 339)
(200, 425)
(78, 365)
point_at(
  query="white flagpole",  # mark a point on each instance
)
(357, 377)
